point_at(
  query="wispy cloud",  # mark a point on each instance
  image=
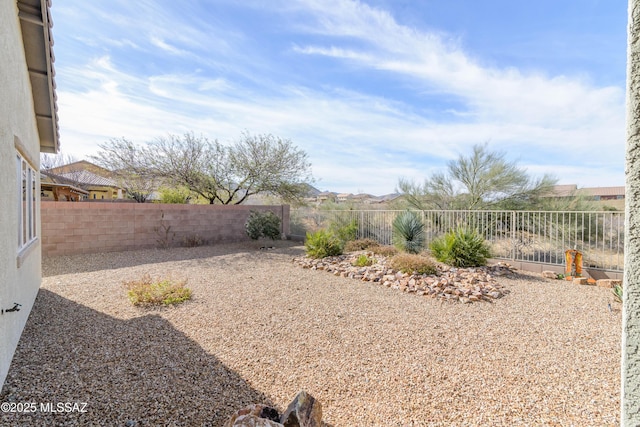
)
(196, 73)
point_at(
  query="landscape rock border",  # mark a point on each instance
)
(465, 285)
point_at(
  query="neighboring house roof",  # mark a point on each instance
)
(36, 23)
(573, 190)
(71, 188)
(81, 165)
(84, 177)
(602, 191)
(563, 190)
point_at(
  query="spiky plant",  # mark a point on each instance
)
(617, 292)
(408, 232)
(461, 248)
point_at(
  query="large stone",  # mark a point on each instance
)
(580, 281)
(549, 275)
(304, 411)
(608, 283)
(256, 415)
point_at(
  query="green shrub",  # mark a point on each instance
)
(147, 291)
(174, 195)
(413, 263)
(363, 261)
(617, 292)
(322, 244)
(360, 245)
(461, 248)
(343, 230)
(384, 250)
(408, 232)
(263, 224)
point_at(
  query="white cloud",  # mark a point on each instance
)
(355, 140)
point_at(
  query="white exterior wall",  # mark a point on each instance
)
(18, 284)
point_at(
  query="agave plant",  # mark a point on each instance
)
(617, 292)
(408, 232)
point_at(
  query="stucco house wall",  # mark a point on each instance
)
(20, 267)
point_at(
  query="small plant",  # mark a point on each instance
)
(345, 231)
(617, 292)
(263, 224)
(383, 250)
(461, 248)
(360, 245)
(192, 241)
(363, 261)
(560, 276)
(413, 263)
(322, 244)
(408, 232)
(147, 292)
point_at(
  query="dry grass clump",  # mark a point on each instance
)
(147, 291)
(413, 263)
(360, 245)
(384, 250)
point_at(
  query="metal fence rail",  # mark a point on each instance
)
(531, 236)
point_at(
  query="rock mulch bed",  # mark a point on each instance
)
(465, 285)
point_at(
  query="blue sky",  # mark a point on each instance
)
(372, 90)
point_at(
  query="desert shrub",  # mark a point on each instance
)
(413, 263)
(384, 250)
(363, 261)
(322, 244)
(263, 224)
(192, 241)
(147, 291)
(461, 248)
(408, 232)
(617, 292)
(344, 230)
(360, 245)
(175, 195)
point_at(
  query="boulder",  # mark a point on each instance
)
(255, 416)
(549, 274)
(608, 283)
(304, 411)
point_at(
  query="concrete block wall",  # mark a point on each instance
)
(71, 228)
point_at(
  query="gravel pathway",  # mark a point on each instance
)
(260, 329)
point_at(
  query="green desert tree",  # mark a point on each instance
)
(483, 180)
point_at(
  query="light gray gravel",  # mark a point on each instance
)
(260, 329)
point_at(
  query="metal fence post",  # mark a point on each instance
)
(513, 236)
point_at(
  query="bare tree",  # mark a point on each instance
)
(485, 179)
(261, 164)
(129, 165)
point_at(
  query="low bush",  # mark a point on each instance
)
(263, 224)
(193, 241)
(461, 248)
(408, 232)
(363, 261)
(360, 245)
(147, 291)
(343, 230)
(413, 263)
(384, 250)
(322, 244)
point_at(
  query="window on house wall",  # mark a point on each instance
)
(27, 209)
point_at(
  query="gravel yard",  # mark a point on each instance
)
(259, 329)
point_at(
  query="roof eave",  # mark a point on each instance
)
(35, 22)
